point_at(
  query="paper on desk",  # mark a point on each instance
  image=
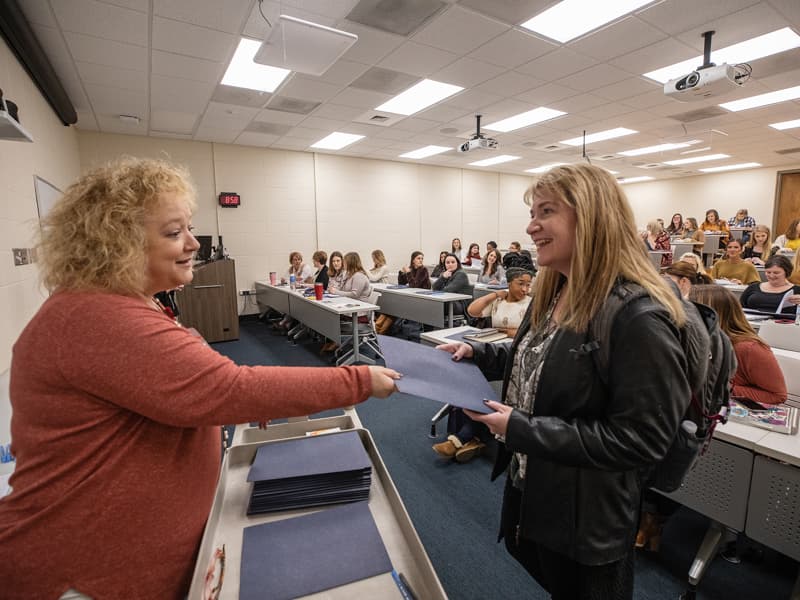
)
(785, 301)
(433, 374)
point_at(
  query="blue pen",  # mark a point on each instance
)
(402, 585)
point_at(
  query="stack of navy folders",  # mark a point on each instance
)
(311, 471)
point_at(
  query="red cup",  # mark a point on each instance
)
(319, 290)
(273, 277)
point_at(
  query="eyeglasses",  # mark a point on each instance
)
(216, 572)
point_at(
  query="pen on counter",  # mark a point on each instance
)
(403, 586)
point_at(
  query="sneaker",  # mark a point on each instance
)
(470, 450)
(447, 449)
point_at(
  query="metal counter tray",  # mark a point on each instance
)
(228, 519)
(296, 427)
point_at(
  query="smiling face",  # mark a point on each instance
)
(775, 275)
(711, 217)
(170, 245)
(677, 220)
(491, 258)
(296, 260)
(450, 263)
(474, 250)
(519, 287)
(733, 249)
(552, 229)
(760, 237)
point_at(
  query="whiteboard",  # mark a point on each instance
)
(46, 195)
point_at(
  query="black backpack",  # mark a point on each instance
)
(711, 365)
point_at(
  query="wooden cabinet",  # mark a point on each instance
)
(209, 303)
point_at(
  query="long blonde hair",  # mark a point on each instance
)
(602, 254)
(94, 237)
(752, 241)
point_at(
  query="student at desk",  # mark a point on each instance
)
(437, 270)
(757, 248)
(505, 307)
(733, 267)
(676, 226)
(473, 257)
(298, 268)
(493, 271)
(766, 296)
(378, 272)
(790, 240)
(692, 231)
(712, 224)
(336, 272)
(319, 258)
(453, 279)
(356, 283)
(416, 274)
(117, 409)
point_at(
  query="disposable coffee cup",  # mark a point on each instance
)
(273, 277)
(318, 290)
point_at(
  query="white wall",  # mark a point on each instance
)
(53, 156)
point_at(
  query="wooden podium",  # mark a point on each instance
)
(209, 303)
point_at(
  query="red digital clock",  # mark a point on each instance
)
(229, 199)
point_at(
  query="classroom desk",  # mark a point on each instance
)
(711, 246)
(681, 248)
(735, 288)
(481, 289)
(323, 316)
(738, 232)
(408, 303)
(656, 256)
(781, 335)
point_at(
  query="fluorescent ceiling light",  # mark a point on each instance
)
(695, 159)
(635, 179)
(784, 95)
(654, 149)
(537, 115)
(425, 152)
(544, 168)
(419, 96)
(244, 73)
(600, 136)
(749, 165)
(496, 160)
(569, 19)
(746, 51)
(695, 150)
(337, 141)
(786, 125)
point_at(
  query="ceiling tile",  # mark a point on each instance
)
(442, 113)
(140, 5)
(594, 77)
(227, 94)
(38, 12)
(186, 67)
(338, 112)
(343, 72)
(509, 83)
(677, 16)
(547, 94)
(418, 125)
(127, 79)
(417, 59)
(114, 125)
(556, 64)
(579, 103)
(168, 121)
(111, 101)
(620, 38)
(279, 116)
(371, 46)
(106, 52)
(181, 95)
(733, 28)
(512, 49)
(102, 20)
(326, 124)
(223, 116)
(458, 30)
(512, 12)
(225, 16)
(360, 98)
(627, 88)
(309, 89)
(467, 72)
(472, 100)
(250, 138)
(221, 135)
(655, 56)
(190, 40)
(86, 120)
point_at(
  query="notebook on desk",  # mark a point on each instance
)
(779, 418)
(486, 336)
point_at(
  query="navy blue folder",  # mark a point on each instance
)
(311, 553)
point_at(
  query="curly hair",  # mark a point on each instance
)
(94, 237)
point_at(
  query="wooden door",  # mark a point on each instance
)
(787, 202)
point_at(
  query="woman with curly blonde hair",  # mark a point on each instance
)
(116, 406)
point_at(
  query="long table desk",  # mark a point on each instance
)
(419, 305)
(323, 316)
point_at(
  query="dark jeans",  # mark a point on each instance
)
(465, 428)
(562, 577)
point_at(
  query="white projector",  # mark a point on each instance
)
(478, 142)
(703, 83)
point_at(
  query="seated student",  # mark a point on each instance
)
(473, 258)
(732, 267)
(693, 259)
(355, 284)
(319, 258)
(714, 225)
(455, 248)
(378, 272)
(692, 231)
(790, 240)
(656, 238)
(756, 250)
(766, 296)
(492, 272)
(795, 278)
(742, 219)
(416, 274)
(515, 247)
(491, 245)
(507, 308)
(676, 226)
(298, 268)
(453, 279)
(437, 270)
(684, 274)
(336, 272)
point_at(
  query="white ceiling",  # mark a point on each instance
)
(162, 61)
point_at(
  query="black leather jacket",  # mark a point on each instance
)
(590, 448)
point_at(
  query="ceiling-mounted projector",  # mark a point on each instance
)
(478, 140)
(703, 83)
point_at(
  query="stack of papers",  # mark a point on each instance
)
(311, 553)
(311, 471)
(775, 417)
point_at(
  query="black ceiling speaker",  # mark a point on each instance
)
(19, 36)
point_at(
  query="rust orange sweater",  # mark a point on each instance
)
(758, 375)
(115, 428)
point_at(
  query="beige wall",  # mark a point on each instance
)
(54, 157)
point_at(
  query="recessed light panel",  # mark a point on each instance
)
(696, 159)
(749, 165)
(748, 50)
(775, 97)
(337, 141)
(635, 179)
(600, 136)
(654, 149)
(786, 124)
(244, 73)
(425, 152)
(570, 18)
(496, 160)
(544, 168)
(419, 96)
(531, 117)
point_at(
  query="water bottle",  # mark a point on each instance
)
(292, 282)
